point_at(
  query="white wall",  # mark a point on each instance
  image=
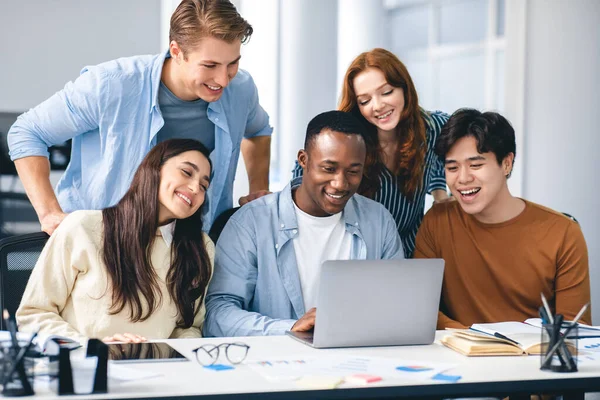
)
(562, 99)
(45, 43)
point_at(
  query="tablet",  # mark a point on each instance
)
(143, 352)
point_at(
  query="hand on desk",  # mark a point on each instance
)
(307, 322)
(124, 337)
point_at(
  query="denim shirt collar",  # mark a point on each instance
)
(288, 222)
(159, 62)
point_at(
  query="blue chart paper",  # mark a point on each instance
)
(219, 367)
(593, 346)
(447, 378)
(386, 368)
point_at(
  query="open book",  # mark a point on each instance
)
(498, 339)
(583, 330)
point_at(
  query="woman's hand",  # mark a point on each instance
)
(124, 337)
(441, 196)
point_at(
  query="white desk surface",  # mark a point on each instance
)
(479, 374)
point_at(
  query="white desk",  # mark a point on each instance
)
(480, 376)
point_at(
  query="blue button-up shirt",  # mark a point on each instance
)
(255, 289)
(112, 114)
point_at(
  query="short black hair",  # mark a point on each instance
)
(491, 130)
(338, 121)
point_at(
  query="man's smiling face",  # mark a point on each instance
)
(333, 167)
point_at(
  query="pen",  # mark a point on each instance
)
(547, 307)
(556, 338)
(543, 315)
(501, 336)
(580, 313)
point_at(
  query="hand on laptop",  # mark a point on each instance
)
(307, 322)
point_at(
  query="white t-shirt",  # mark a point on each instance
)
(319, 239)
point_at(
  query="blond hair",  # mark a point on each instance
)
(196, 19)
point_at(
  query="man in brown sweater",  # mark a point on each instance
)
(500, 251)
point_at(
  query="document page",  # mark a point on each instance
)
(295, 368)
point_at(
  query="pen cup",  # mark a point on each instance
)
(559, 348)
(16, 380)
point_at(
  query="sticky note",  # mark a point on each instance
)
(319, 382)
(446, 378)
(413, 368)
(362, 379)
(219, 367)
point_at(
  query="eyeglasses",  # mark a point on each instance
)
(208, 354)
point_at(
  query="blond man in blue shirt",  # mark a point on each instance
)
(117, 111)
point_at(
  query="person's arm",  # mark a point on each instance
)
(232, 288)
(572, 285)
(425, 247)
(437, 171)
(257, 157)
(437, 181)
(51, 284)
(195, 331)
(34, 172)
(256, 148)
(306, 322)
(68, 113)
(392, 246)
(439, 195)
(446, 322)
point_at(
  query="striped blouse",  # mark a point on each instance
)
(409, 214)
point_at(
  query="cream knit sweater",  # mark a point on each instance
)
(68, 294)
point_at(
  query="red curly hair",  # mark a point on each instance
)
(410, 130)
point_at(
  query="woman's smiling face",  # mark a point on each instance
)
(379, 102)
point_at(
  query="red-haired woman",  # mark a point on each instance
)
(401, 164)
(133, 271)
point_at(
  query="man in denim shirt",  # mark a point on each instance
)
(269, 255)
(117, 111)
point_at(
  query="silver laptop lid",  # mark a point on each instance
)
(378, 302)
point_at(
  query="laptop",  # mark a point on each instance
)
(376, 303)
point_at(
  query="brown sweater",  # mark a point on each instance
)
(496, 272)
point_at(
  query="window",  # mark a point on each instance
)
(453, 49)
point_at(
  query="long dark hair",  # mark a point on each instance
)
(129, 234)
(410, 130)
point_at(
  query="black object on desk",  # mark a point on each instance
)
(65, 384)
(559, 345)
(17, 375)
(559, 349)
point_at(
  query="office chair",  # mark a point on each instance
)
(219, 224)
(18, 255)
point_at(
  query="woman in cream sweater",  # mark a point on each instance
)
(135, 271)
